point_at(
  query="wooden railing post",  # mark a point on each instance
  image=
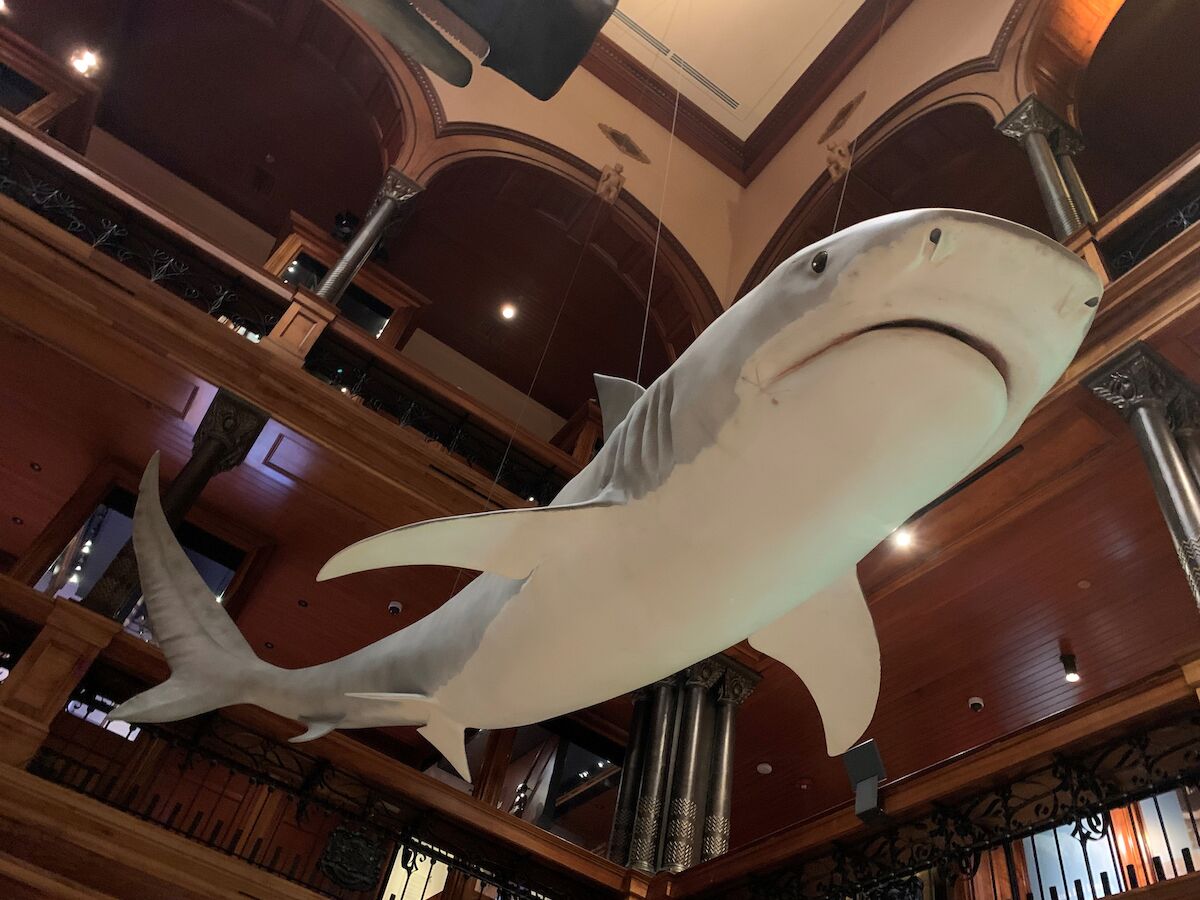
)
(40, 684)
(300, 325)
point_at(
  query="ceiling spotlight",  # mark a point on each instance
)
(902, 537)
(4, 10)
(508, 311)
(764, 768)
(1070, 668)
(74, 579)
(85, 62)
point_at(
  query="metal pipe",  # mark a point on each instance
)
(397, 188)
(720, 789)
(647, 823)
(1064, 218)
(631, 778)
(1076, 189)
(683, 810)
(1175, 484)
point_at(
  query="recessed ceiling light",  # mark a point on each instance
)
(36, 466)
(508, 311)
(85, 62)
(764, 768)
(3, 8)
(17, 520)
(902, 537)
(1083, 585)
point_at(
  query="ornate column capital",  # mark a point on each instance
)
(234, 424)
(1138, 377)
(1031, 116)
(397, 187)
(705, 674)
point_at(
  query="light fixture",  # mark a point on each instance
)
(85, 549)
(1070, 668)
(4, 10)
(74, 579)
(85, 62)
(902, 537)
(79, 568)
(764, 768)
(508, 311)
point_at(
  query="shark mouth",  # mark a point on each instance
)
(983, 348)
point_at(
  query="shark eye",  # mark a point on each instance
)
(819, 261)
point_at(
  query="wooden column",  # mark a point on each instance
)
(497, 756)
(300, 326)
(40, 684)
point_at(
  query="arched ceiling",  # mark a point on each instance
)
(1138, 98)
(950, 157)
(491, 231)
(265, 106)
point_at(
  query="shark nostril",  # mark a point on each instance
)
(1095, 301)
(935, 236)
(819, 261)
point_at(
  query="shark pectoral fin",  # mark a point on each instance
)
(829, 642)
(617, 397)
(316, 728)
(446, 735)
(409, 32)
(509, 542)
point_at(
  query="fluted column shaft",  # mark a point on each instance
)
(631, 779)
(687, 793)
(1152, 395)
(735, 687)
(396, 190)
(1037, 129)
(647, 824)
(1076, 188)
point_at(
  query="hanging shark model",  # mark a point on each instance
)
(536, 44)
(731, 500)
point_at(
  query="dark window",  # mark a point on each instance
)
(17, 93)
(363, 309)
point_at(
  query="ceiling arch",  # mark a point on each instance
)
(946, 155)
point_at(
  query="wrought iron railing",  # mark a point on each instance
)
(1093, 824)
(1167, 216)
(106, 224)
(366, 379)
(270, 805)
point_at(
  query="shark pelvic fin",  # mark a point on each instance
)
(316, 728)
(617, 397)
(509, 542)
(446, 735)
(829, 642)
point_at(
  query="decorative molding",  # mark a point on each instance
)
(1031, 116)
(234, 424)
(396, 186)
(771, 253)
(744, 160)
(1134, 378)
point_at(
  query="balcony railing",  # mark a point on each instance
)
(1149, 220)
(63, 190)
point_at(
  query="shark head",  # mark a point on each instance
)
(1014, 295)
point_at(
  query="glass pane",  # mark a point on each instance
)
(17, 93)
(363, 309)
(93, 548)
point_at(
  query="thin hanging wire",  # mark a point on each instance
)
(662, 203)
(854, 143)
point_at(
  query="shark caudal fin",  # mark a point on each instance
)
(210, 660)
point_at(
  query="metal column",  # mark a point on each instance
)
(735, 687)
(397, 188)
(228, 430)
(687, 793)
(1151, 395)
(647, 823)
(631, 779)
(1034, 126)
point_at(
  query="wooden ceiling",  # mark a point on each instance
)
(266, 107)
(1138, 96)
(490, 231)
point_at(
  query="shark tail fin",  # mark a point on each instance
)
(446, 735)
(210, 660)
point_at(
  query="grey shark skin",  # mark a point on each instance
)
(732, 499)
(533, 43)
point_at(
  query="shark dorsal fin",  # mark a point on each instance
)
(617, 397)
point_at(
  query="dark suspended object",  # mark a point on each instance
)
(533, 43)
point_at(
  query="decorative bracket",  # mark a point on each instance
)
(1139, 376)
(233, 423)
(1031, 116)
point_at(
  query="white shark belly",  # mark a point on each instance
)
(805, 478)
